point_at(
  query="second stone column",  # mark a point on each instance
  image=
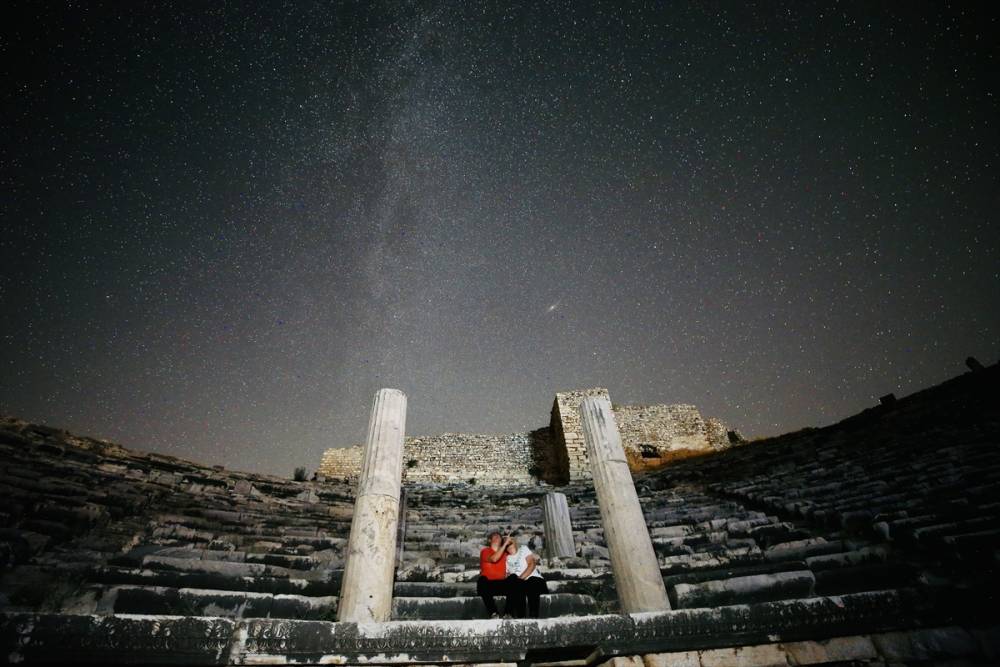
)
(558, 528)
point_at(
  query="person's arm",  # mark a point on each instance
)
(499, 552)
(532, 559)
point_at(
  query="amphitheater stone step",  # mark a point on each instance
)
(325, 584)
(744, 589)
(468, 608)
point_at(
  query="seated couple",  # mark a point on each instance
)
(512, 571)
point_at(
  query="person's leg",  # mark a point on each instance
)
(499, 587)
(535, 587)
(515, 596)
(486, 591)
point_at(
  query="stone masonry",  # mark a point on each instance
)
(497, 460)
(565, 423)
(652, 435)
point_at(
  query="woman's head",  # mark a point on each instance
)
(512, 546)
(494, 539)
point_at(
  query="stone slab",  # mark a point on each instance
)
(173, 639)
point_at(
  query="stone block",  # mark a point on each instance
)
(798, 549)
(678, 659)
(764, 655)
(304, 607)
(742, 590)
(876, 554)
(671, 531)
(623, 661)
(837, 649)
(69, 639)
(926, 644)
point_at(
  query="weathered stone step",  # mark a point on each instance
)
(799, 549)
(988, 539)
(287, 562)
(133, 599)
(672, 578)
(937, 532)
(55, 530)
(226, 567)
(864, 577)
(324, 584)
(743, 589)
(436, 589)
(862, 556)
(468, 608)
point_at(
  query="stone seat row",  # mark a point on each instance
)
(746, 584)
(254, 569)
(155, 600)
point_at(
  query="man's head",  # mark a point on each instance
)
(494, 539)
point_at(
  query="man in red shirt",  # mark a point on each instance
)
(493, 572)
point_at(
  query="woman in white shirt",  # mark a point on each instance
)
(524, 582)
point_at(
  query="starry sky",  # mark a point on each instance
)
(226, 225)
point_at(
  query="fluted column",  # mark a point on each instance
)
(558, 529)
(633, 561)
(366, 591)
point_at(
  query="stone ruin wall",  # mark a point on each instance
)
(656, 434)
(565, 421)
(651, 434)
(490, 460)
(341, 463)
(458, 457)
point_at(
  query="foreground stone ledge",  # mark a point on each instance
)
(926, 646)
(69, 639)
(124, 638)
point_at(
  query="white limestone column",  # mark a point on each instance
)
(366, 590)
(558, 529)
(633, 561)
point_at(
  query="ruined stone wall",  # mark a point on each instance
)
(488, 460)
(655, 434)
(566, 411)
(668, 428)
(717, 433)
(341, 463)
(651, 434)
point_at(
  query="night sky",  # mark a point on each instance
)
(226, 225)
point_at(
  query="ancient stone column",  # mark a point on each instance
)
(366, 591)
(558, 529)
(633, 561)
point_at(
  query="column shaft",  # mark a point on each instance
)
(366, 591)
(558, 529)
(633, 561)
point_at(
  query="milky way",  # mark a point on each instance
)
(225, 227)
